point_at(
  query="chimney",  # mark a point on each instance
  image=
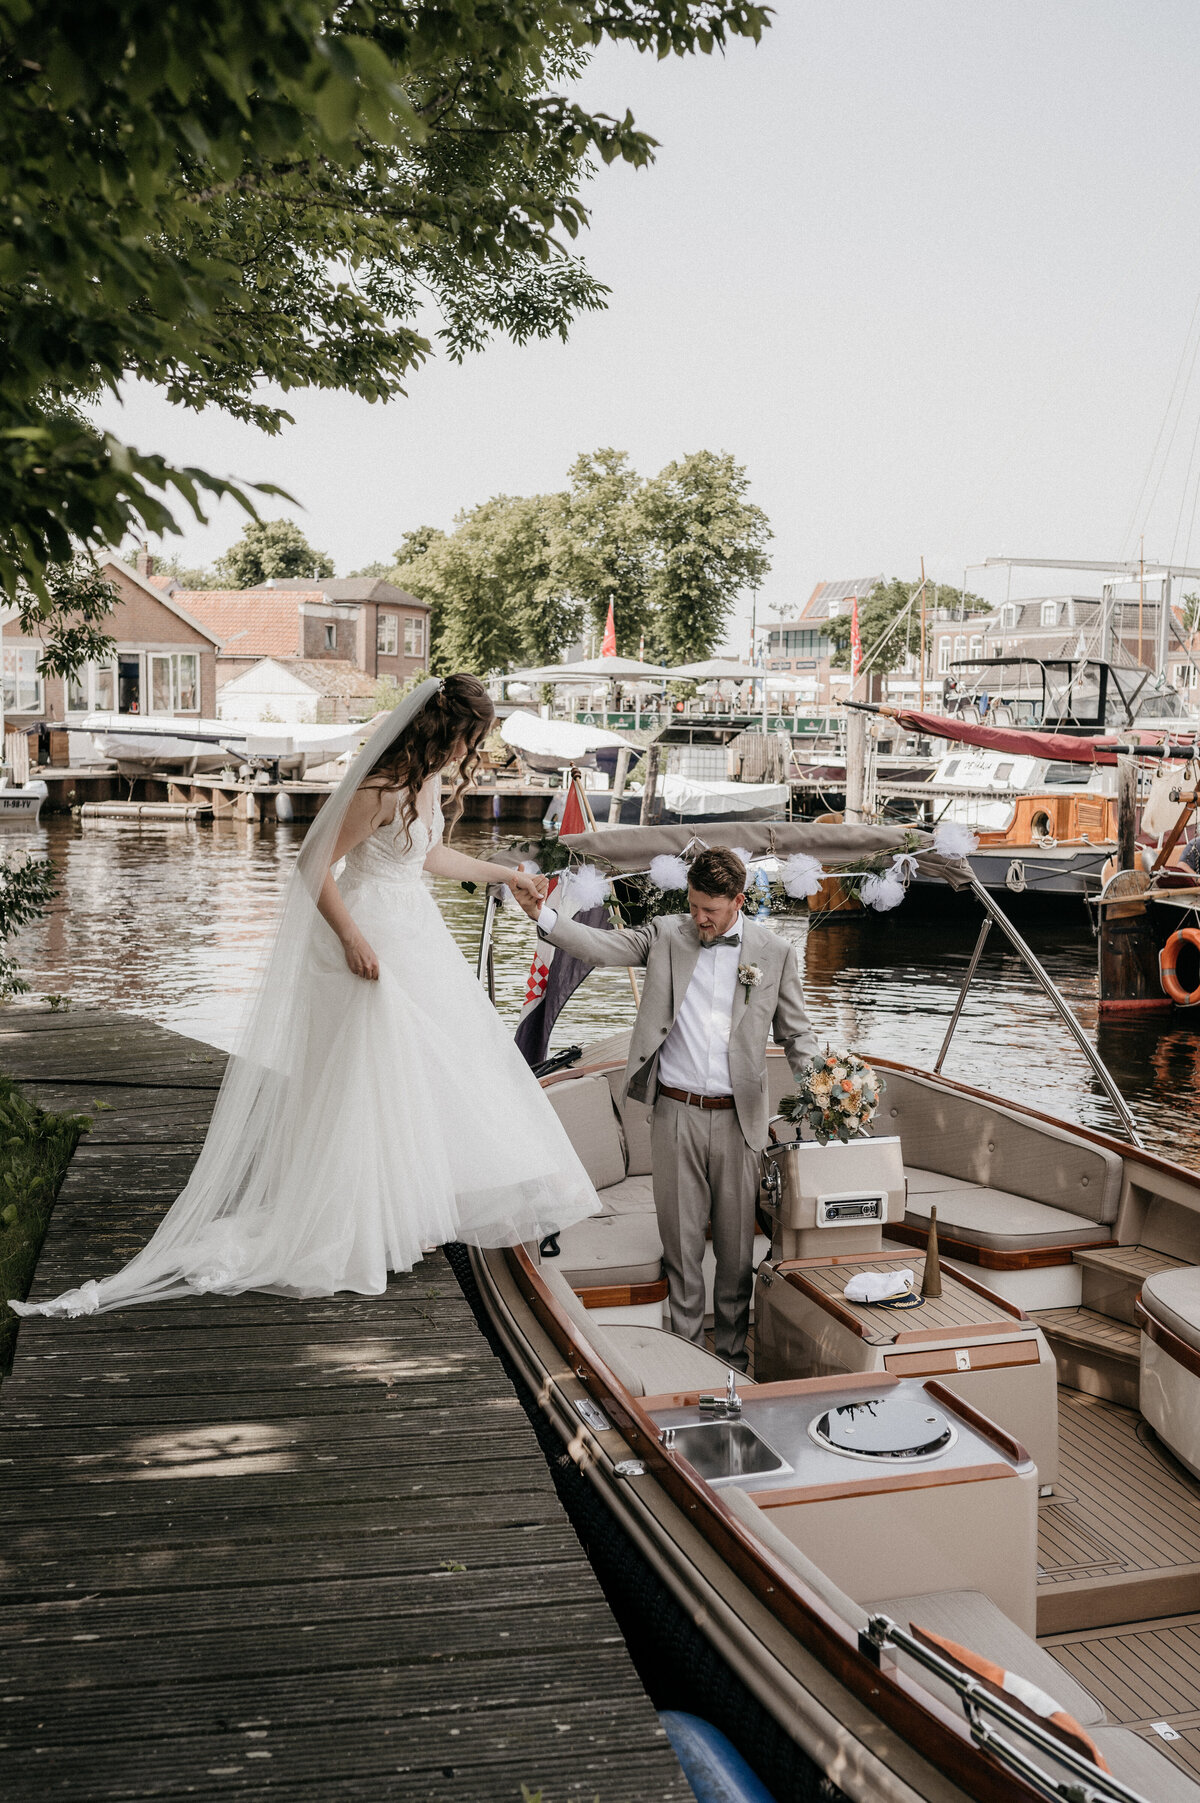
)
(145, 562)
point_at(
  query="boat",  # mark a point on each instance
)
(943, 1553)
(138, 745)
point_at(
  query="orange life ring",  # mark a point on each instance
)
(1166, 967)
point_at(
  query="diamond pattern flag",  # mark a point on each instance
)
(554, 975)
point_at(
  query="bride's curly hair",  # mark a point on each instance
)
(461, 713)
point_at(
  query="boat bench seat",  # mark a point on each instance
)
(1173, 1297)
(973, 1620)
(1168, 1384)
(611, 1249)
(996, 1218)
(647, 1360)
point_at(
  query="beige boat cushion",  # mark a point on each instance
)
(664, 1362)
(985, 1143)
(1139, 1764)
(635, 1128)
(584, 1105)
(973, 1620)
(925, 1183)
(761, 1526)
(1173, 1297)
(632, 1196)
(994, 1218)
(590, 1329)
(610, 1248)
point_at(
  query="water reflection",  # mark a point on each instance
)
(170, 922)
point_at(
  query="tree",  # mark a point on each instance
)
(709, 542)
(247, 193)
(492, 587)
(69, 616)
(878, 613)
(270, 551)
(600, 547)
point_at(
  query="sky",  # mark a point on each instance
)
(929, 271)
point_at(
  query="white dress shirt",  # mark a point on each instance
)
(695, 1053)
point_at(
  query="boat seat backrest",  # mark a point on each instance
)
(635, 1128)
(584, 1105)
(984, 1143)
(590, 1329)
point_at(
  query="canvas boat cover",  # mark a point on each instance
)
(630, 848)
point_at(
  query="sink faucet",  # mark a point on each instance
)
(728, 1406)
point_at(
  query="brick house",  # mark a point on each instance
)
(163, 663)
(805, 650)
(324, 691)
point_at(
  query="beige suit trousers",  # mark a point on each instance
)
(704, 1169)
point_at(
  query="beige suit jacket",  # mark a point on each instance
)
(668, 947)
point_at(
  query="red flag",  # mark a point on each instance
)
(855, 641)
(609, 647)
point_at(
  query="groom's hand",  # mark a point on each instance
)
(529, 891)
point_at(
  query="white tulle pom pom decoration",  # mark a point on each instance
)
(801, 876)
(954, 840)
(588, 888)
(668, 872)
(739, 851)
(882, 892)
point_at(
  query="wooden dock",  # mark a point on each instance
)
(258, 1548)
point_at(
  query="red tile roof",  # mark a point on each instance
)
(249, 622)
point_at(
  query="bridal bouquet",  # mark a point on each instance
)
(836, 1098)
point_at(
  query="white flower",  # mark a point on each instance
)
(668, 872)
(749, 976)
(801, 876)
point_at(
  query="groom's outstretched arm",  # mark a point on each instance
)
(595, 945)
(791, 1027)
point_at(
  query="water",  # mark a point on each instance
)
(170, 922)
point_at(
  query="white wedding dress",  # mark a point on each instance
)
(398, 1115)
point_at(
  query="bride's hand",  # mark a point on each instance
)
(529, 890)
(360, 959)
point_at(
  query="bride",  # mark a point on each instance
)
(375, 1105)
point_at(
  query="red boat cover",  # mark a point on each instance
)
(1063, 747)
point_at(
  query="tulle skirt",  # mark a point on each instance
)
(399, 1115)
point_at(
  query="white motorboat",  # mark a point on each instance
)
(144, 744)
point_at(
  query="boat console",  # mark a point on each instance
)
(889, 1484)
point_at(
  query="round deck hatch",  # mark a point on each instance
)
(888, 1428)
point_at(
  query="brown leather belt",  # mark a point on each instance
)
(693, 1101)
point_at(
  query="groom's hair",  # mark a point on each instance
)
(717, 872)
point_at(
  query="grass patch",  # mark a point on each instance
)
(35, 1150)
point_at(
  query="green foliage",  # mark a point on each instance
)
(68, 615)
(514, 582)
(26, 889)
(35, 1149)
(1191, 612)
(250, 196)
(270, 551)
(879, 613)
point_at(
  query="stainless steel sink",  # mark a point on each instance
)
(723, 1451)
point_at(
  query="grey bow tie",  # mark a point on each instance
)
(729, 939)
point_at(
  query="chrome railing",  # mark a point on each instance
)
(1089, 1785)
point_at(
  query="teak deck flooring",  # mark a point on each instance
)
(256, 1547)
(1120, 1538)
(1142, 1675)
(957, 1306)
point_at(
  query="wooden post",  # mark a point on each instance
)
(650, 791)
(856, 764)
(921, 703)
(931, 1282)
(1127, 784)
(620, 776)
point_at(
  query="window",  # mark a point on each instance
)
(386, 641)
(1008, 617)
(833, 609)
(960, 645)
(414, 636)
(22, 684)
(1049, 613)
(331, 638)
(174, 682)
(1185, 676)
(943, 663)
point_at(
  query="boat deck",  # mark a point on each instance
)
(258, 1547)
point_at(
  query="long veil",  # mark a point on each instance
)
(222, 1230)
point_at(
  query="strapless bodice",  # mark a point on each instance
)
(394, 853)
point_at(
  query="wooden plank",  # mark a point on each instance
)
(233, 1527)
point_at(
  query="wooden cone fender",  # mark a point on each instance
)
(1167, 959)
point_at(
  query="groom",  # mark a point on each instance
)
(716, 984)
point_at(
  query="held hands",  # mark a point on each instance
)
(360, 959)
(529, 891)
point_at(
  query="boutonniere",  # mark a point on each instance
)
(749, 976)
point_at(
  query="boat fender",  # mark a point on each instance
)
(711, 1763)
(1167, 960)
(1015, 880)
